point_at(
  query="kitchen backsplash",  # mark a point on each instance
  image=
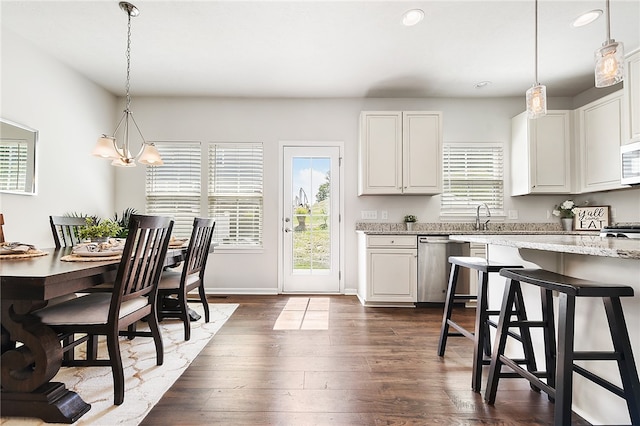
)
(459, 227)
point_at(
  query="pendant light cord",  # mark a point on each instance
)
(536, 44)
(608, 23)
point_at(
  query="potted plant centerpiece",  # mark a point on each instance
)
(409, 220)
(565, 212)
(99, 231)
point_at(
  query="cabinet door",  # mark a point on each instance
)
(541, 154)
(393, 275)
(631, 88)
(600, 136)
(551, 153)
(380, 153)
(422, 153)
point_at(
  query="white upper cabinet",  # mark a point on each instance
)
(400, 152)
(600, 135)
(541, 154)
(631, 87)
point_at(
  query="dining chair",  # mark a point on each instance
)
(111, 313)
(65, 230)
(174, 283)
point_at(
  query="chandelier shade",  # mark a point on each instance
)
(107, 145)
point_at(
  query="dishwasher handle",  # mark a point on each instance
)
(439, 239)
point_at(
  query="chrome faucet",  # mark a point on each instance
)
(482, 226)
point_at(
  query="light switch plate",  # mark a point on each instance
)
(369, 214)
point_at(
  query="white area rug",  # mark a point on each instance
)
(145, 382)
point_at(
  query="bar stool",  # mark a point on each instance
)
(560, 357)
(480, 335)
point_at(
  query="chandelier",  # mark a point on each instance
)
(107, 146)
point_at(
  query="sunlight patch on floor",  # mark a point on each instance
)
(304, 313)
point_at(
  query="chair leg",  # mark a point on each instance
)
(116, 367)
(626, 363)
(184, 315)
(92, 347)
(448, 308)
(525, 332)
(564, 363)
(152, 320)
(203, 299)
(481, 333)
(549, 336)
(501, 340)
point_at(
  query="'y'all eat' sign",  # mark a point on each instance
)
(591, 218)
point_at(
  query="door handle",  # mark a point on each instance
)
(287, 229)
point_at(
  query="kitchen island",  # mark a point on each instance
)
(602, 259)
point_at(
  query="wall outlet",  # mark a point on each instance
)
(384, 215)
(512, 214)
(548, 214)
(369, 214)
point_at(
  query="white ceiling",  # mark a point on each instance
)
(335, 48)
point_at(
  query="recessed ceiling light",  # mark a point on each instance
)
(587, 18)
(482, 84)
(412, 17)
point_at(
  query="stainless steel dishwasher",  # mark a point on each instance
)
(434, 268)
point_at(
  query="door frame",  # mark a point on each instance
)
(281, 224)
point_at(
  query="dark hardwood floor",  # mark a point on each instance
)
(373, 366)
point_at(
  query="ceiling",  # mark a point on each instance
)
(304, 48)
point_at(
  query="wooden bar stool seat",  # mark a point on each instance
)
(560, 356)
(480, 335)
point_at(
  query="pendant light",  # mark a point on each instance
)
(107, 146)
(537, 94)
(609, 59)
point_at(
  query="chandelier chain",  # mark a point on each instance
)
(128, 60)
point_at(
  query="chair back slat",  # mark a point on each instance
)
(142, 259)
(199, 243)
(65, 230)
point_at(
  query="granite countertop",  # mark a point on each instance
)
(564, 243)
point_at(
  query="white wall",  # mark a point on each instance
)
(69, 112)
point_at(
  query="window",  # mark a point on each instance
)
(174, 189)
(235, 193)
(13, 165)
(472, 175)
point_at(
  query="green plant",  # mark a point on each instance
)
(99, 228)
(301, 210)
(565, 210)
(410, 218)
(123, 221)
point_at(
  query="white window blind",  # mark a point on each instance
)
(236, 193)
(13, 165)
(174, 189)
(472, 175)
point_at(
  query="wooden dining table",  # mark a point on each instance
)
(31, 352)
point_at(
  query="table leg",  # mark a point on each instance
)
(26, 370)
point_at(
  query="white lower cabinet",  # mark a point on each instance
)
(388, 270)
